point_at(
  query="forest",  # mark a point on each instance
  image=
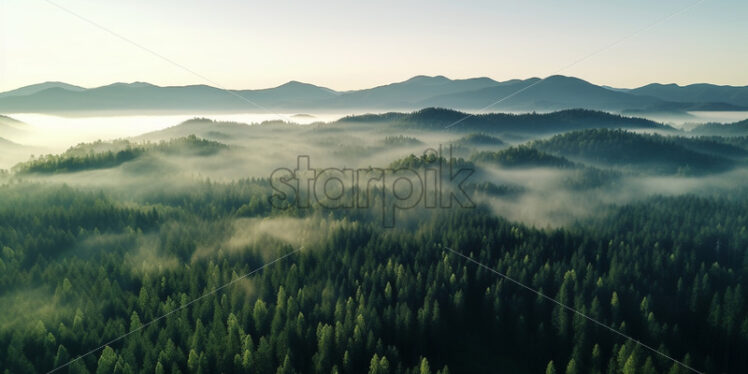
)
(588, 250)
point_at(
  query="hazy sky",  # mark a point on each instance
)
(352, 44)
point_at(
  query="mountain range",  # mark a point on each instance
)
(552, 93)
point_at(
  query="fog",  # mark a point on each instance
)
(688, 120)
(547, 203)
(181, 179)
(57, 133)
(548, 196)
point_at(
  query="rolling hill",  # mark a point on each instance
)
(623, 149)
(7, 144)
(201, 127)
(529, 123)
(12, 153)
(522, 157)
(104, 155)
(480, 140)
(11, 128)
(720, 129)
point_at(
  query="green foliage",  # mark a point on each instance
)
(401, 140)
(429, 160)
(491, 189)
(82, 268)
(640, 152)
(480, 140)
(528, 123)
(550, 369)
(522, 157)
(101, 155)
(730, 129)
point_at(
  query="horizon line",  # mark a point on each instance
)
(366, 88)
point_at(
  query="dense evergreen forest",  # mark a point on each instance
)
(79, 269)
(522, 157)
(102, 155)
(535, 123)
(155, 271)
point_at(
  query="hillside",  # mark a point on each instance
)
(104, 155)
(12, 152)
(480, 140)
(201, 127)
(529, 123)
(414, 162)
(652, 153)
(7, 144)
(145, 96)
(11, 128)
(720, 129)
(522, 157)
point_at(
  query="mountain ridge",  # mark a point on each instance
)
(552, 93)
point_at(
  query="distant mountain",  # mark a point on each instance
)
(697, 93)
(552, 93)
(119, 96)
(290, 95)
(145, 96)
(34, 88)
(408, 94)
(528, 123)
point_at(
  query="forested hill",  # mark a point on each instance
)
(529, 123)
(480, 140)
(729, 129)
(201, 127)
(642, 152)
(522, 157)
(102, 155)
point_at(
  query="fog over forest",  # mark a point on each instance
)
(330, 243)
(358, 187)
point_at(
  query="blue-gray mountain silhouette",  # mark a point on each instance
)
(552, 93)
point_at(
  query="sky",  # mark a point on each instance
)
(347, 45)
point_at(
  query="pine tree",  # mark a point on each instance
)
(571, 368)
(424, 368)
(550, 368)
(107, 360)
(286, 367)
